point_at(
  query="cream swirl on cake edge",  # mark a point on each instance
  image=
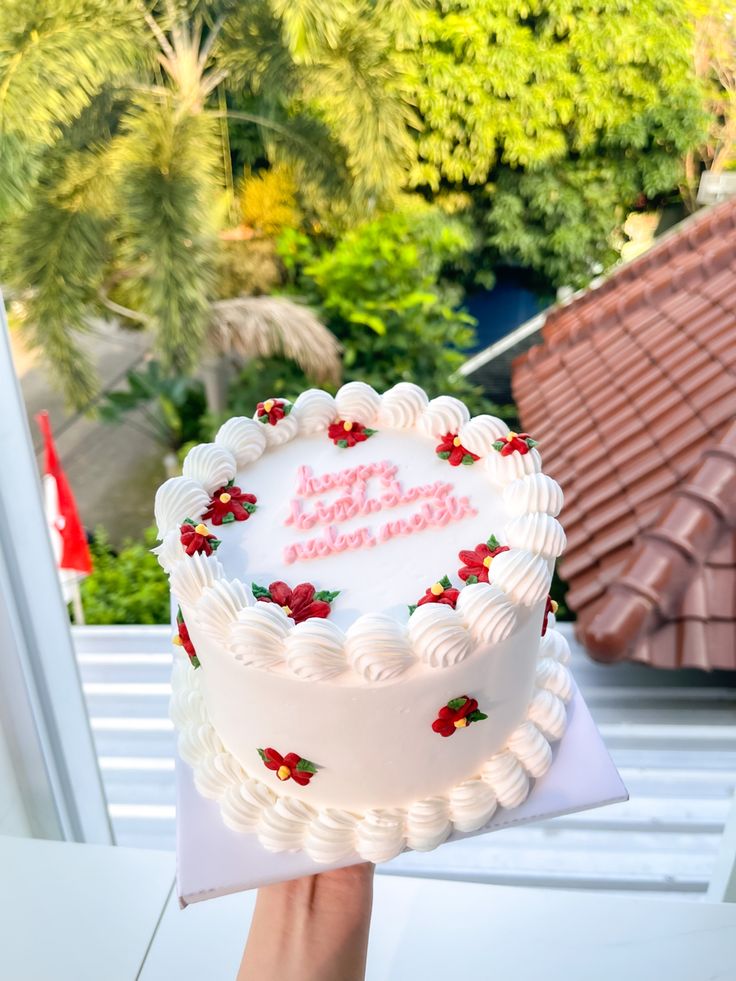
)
(315, 410)
(480, 433)
(504, 470)
(282, 431)
(358, 402)
(332, 834)
(536, 492)
(377, 647)
(402, 405)
(210, 465)
(178, 498)
(244, 438)
(428, 824)
(443, 415)
(315, 650)
(438, 635)
(538, 532)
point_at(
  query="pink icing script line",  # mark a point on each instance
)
(356, 503)
(308, 485)
(430, 515)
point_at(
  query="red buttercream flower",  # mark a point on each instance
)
(182, 639)
(457, 714)
(299, 603)
(452, 450)
(477, 563)
(228, 504)
(345, 433)
(289, 767)
(550, 607)
(197, 538)
(440, 592)
(272, 411)
(514, 443)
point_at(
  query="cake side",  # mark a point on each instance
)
(250, 805)
(372, 743)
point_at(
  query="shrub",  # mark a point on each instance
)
(126, 586)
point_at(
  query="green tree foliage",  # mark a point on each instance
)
(380, 289)
(115, 167)
(126, 586)
(562, 113)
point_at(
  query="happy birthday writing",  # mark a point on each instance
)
(439, 507)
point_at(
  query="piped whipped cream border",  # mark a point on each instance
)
(330, 834)
(375, 647)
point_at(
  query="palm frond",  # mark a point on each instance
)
(267, 326)
(53, 60)
(57, 256)
(167, 162)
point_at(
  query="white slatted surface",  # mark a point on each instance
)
(672, 736)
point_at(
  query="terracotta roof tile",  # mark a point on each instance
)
(631, 395)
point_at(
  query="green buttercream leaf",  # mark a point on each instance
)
(468, 460)
(304, 766)
(370, 432)
(259, 590)
(194, 661)
(477, 716)
(412, 608)
(499, 444)
(261, 754)
(343, 443)
(250, 508)
(227, 518)
(493, 542)
(188, 521)
(531, 443)
(230, 482)
(287, 408)
(263, 419)
(456, 703)
(214, 543)
(179, 616)
(444, 455)
(445, 582)
(471, 580)
(326, 596)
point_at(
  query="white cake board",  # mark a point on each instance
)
(213, 861)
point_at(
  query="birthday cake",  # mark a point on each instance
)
(367, 655)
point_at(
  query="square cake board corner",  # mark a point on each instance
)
(214, 861)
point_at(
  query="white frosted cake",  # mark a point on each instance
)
(368, 659)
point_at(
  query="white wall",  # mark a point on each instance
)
(13, 817)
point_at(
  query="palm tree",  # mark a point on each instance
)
(115, 164)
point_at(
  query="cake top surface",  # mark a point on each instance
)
(379, 523)
(375, 512)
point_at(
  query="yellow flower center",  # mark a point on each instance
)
(456, 441)
(487, 561)
(437, 590)
(510, 436)
(283, 773)
(202, 530)
(460, 723)
(268, 405)
(176, 639)
(224, 498)
(287, 610)
(347, 426)
(555, 606)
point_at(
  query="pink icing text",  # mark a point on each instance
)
(439, 507)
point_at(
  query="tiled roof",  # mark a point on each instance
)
(631, 395)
